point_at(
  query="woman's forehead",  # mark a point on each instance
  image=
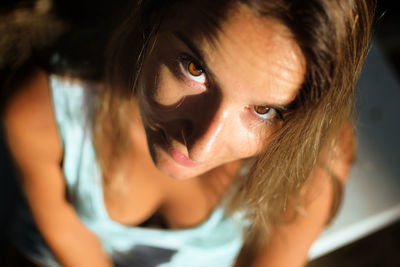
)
(248, 51)
(261, 52)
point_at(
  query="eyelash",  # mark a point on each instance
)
(258, 117)
(183, 65)
(183, 71)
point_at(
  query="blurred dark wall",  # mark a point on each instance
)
(387, 31)
(8, 186)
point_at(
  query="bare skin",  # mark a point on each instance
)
(39, 154)
(197, 115)
(218, 109)
(289, 243)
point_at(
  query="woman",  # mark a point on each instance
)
(216, 140)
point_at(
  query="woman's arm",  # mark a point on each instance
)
(289, 243)
(33, 140)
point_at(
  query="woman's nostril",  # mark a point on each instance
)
(187, 131)
(184, 137)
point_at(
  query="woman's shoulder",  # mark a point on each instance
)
(30, 92)
(29, 120)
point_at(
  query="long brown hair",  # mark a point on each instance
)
(333, 36)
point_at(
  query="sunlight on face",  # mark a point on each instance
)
(213, 103)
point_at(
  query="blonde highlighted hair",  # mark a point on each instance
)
(333, 36)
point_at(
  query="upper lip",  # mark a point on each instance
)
(170, 147)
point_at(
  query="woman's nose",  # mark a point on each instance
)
(208, 137)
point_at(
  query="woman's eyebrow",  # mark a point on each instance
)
(283, 107)
(198, 53)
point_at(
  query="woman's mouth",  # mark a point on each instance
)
(181, 158)
(178, 156)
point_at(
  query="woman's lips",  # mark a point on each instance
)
(180, 158)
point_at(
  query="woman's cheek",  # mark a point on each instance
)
(167, 91)
(258, 139)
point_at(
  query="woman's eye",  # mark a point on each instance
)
(265, 113)
(194, 71)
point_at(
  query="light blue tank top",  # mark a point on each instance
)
(215, 242)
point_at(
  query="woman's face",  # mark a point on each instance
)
(207, 103)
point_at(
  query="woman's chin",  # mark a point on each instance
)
(176, 171)
(168, 166)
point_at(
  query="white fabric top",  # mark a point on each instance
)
(215, 242)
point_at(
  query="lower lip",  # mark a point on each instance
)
(181, 159)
